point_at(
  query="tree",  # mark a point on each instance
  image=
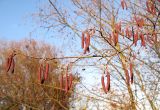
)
(124, 31)
(22, 88)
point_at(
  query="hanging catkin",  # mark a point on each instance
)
(135, 38)
(142, 40)
(85, 40)
(123, 4)
(68, 80)
(46, 71)
(10, 63)
(106, 87)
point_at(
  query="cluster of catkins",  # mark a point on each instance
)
(68, 81)
(138, 34)
(86, 36)
(128, 33)
(150, 37)
(43, 72)
(151, 6)
(106, 87)
(129, 78)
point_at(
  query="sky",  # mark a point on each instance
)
(14, 24)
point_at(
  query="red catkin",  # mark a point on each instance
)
(108, 81)
(151, 7)
(103, 84)
(118, 27)
(12, 65)
(69, 80)
(135, 38)
(142, 40)
(87, 43)
(86, 36)
(127, 32)
(122, 4)
(85, 47)
(8, 65)
(83, 41)
(115, 37)
(46, 71)
(88, 39)
(140, 22)
(66, 81)
(148, 8)
(66, 84)
(125, 5)
(106, 87)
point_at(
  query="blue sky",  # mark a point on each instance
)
(15, 19)
(16, 22)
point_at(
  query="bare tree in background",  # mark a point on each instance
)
(21, 89)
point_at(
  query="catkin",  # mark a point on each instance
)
(46, 71)
(142, 40)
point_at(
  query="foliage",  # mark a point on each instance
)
(22, 89)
